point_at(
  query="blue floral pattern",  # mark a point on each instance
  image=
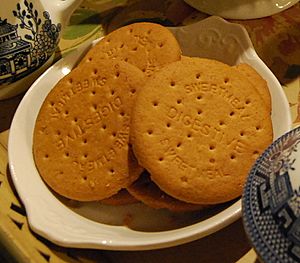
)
(271, 202)
(18, 56)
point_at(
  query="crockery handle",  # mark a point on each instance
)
(61, 9)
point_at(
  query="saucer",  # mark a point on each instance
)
(271, 201)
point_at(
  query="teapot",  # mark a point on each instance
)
(29, 34)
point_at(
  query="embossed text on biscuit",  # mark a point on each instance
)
(73, 89)
(112, 52)
(224, 91)
(238, 146)
(102, 111)
(171, 154)
(83, 125)
(213, 172)
(122, 137)
(142, 40)
(195, 123)
(89, 166)
(75, 132)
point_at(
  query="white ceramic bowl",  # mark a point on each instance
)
(271, 201)
(241, 9)
(92, 225)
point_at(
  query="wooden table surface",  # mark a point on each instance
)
(276, 40)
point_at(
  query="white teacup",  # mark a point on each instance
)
(29, 34)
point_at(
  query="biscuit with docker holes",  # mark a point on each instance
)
(146, 191)
(257, 81)
(198, 126)
(81, 135)
(252, 76)
(148, 46)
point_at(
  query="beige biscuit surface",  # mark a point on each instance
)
(257, 81)
(81, 136)
(150, 194)
(148, 46)
(197, 128)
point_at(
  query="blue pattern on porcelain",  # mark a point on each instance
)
(271, 201)
(21, 56)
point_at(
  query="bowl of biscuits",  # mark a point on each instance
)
(145, 138)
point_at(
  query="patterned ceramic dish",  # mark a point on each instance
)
(271, 201)
(132, 227)
(29, 35)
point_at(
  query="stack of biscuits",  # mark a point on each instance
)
(137, 121)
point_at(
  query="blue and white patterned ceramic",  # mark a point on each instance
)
(29, 34)
(271, 201)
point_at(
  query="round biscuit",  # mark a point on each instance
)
(197, 127)
(81, 135)
(148, 46)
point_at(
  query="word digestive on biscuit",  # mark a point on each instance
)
(122, 137)
(83, 125)
(75, 132)
(195, 123)
(75, 88)
(102, 112)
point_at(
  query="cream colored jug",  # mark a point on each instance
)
(29, 34)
